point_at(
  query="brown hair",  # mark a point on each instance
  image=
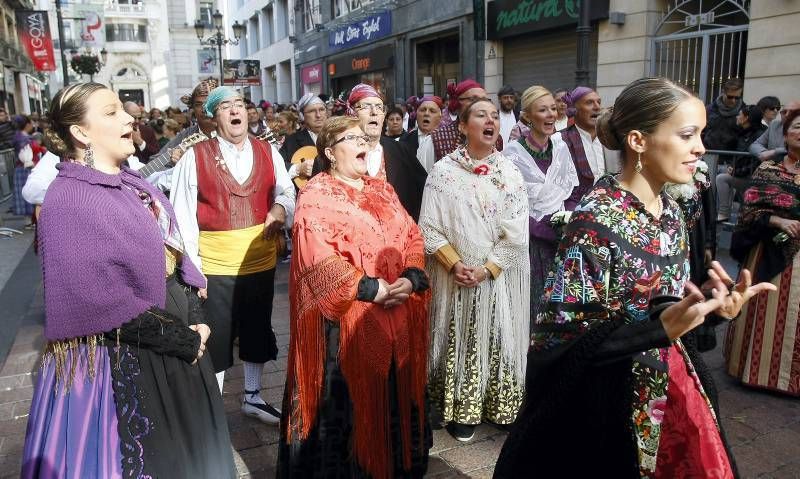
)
(290, 118)
(463, 116)
(68, 108)
(643, 105)
(787, 122)
(332, 127)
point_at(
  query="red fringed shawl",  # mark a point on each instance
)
(339, 235)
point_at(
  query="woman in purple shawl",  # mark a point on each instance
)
(124, 389)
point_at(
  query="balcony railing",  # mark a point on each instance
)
(130, 9)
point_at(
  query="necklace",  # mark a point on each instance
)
(542, 155)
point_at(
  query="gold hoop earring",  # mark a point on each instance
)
(638, 165)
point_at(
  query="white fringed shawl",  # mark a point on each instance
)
(484, 218)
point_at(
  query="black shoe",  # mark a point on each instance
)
(461, 432)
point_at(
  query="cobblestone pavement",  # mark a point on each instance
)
(763, 428)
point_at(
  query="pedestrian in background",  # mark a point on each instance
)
(762, 349)
(124, 388)
(475, 223)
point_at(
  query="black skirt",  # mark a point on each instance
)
(171, 419)
(327, 452)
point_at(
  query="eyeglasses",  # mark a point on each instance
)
(774, 108)
(352, 139)
(227, 105)
(377, 107)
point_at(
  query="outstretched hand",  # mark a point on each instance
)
(741, 293)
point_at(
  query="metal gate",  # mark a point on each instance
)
(701, 44)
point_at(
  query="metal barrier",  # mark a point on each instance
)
(712, 158)
(7, 162)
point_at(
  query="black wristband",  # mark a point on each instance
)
(367, 288)
(418, 278)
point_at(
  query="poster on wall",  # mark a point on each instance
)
(33, 29)
(93, 29)
(206, 61)
(241, 72)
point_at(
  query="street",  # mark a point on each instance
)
(763, 428)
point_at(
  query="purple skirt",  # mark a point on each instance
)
(73, 434)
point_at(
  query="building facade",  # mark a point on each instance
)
(701, 44)
(21, 90)
(402, 47)
(269, 29)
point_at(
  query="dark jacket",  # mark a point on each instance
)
(6, 135)
(294, 142)
(151, 146)
(411, 138)
(721, 132)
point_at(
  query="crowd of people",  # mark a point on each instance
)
(453, 261)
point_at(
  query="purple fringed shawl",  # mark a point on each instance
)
(102, 251)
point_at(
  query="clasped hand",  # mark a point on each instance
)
(469, 276)
(390, 295)
(683, 316)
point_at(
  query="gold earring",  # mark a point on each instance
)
(638, 165)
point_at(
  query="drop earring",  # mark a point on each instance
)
(638, 165)
(88, 156)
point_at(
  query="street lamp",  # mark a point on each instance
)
(217, 39)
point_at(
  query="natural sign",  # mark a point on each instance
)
(368, 29)
(512, 17)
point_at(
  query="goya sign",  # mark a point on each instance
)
(366, 30)
(513, 17)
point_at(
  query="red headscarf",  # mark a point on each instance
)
(455, 91)
(432, 98)
(358, 93)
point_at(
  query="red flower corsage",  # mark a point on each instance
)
(481, 170)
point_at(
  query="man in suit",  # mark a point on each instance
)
(313, 114)
(144, 137)
(428, 117)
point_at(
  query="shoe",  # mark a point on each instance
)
(263, 412)
(461, 432)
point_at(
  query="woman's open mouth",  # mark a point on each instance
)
(488, 132)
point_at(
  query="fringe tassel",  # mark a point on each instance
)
(66, 354)
(368, 345)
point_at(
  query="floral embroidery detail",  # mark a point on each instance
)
(616, 255)
(481, 169)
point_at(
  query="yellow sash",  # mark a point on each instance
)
(237, 252)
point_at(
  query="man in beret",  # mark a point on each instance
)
(231, 195)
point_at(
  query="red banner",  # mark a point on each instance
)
(33, 28)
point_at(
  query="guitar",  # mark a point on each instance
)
(161, 162)
(302, 154)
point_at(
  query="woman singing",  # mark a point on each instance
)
(359, 324)
(124, 389)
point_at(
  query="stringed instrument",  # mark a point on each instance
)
(302, 154)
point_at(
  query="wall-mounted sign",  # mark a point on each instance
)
(312, 74)
(513, 17)
(206, 60)
(93, 29)
(366, 30)
(369, 60)
(33, 29)
(241, 72)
